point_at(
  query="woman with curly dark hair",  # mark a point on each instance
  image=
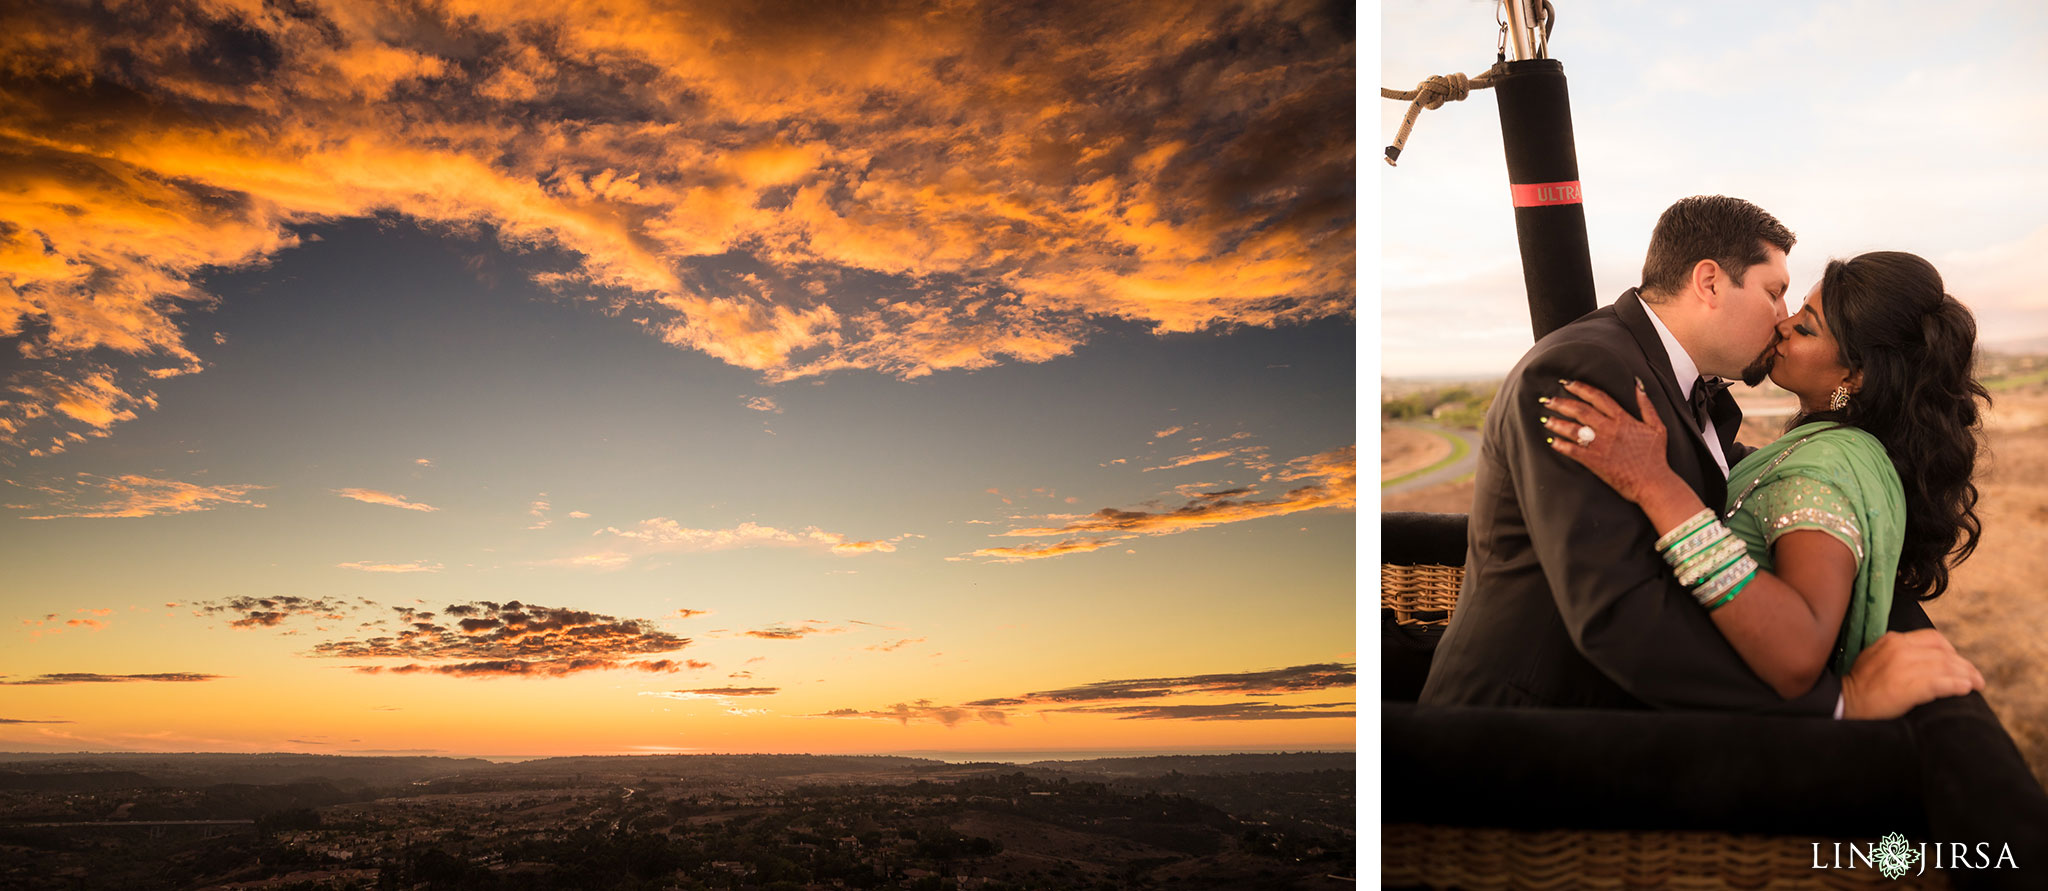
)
(1867, 496)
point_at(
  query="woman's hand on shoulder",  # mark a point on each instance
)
(1625, 453)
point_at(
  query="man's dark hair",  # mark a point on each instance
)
(1728, 231)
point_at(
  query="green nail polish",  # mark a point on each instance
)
(1550, 440)
(1543, 419)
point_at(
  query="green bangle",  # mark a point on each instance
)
(1720, 557)
(1691, 525)
(1730, 596)
(1711, 591)
(1707, 537)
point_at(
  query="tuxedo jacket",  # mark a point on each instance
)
(1566, 602)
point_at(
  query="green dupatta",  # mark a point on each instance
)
(1840, 481)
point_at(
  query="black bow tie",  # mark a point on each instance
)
(1703, 392)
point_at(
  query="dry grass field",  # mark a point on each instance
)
(1996, 610)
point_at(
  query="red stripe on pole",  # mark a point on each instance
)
(1546, 194)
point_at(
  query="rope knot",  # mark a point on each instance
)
(1433, 93)
(1442, 88)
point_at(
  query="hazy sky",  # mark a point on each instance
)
(567, 377)
(1863, 126)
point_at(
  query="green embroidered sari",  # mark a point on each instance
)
(1840, 481)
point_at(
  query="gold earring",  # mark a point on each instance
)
(1839, 399)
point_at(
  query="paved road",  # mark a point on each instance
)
(1442, 473)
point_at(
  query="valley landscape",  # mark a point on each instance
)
(675, 822)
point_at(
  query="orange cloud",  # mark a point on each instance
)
(1328, 480)
(489, 639)
(1195, 458)
(1060, 548)
(372, 496)
(924, 188)
(133, 495)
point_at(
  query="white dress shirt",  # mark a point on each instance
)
(1688, 372)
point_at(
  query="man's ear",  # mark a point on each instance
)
(1707, 280)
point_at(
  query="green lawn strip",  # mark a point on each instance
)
(2009, 383)
(1458, 450)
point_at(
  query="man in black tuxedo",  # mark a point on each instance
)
(1566, 602)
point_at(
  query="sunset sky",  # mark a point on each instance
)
(1863, 126)
(596, 377)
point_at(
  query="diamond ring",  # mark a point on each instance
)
(1585, 436)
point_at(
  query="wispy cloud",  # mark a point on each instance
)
(1273, 682)
(1195, 458)
(1230, 711)
(95, 678)
(1299, 678)
(796, 632)
(893, 646)
(414, 566)
(923, 710)
(715, 693)
(1324, 480)
(664, 534)
(762, 403)
(601, 560)
(54, 623)
(372, 496)
(1020, 553)
(30, 721)
(966, 188)
(133, 495)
